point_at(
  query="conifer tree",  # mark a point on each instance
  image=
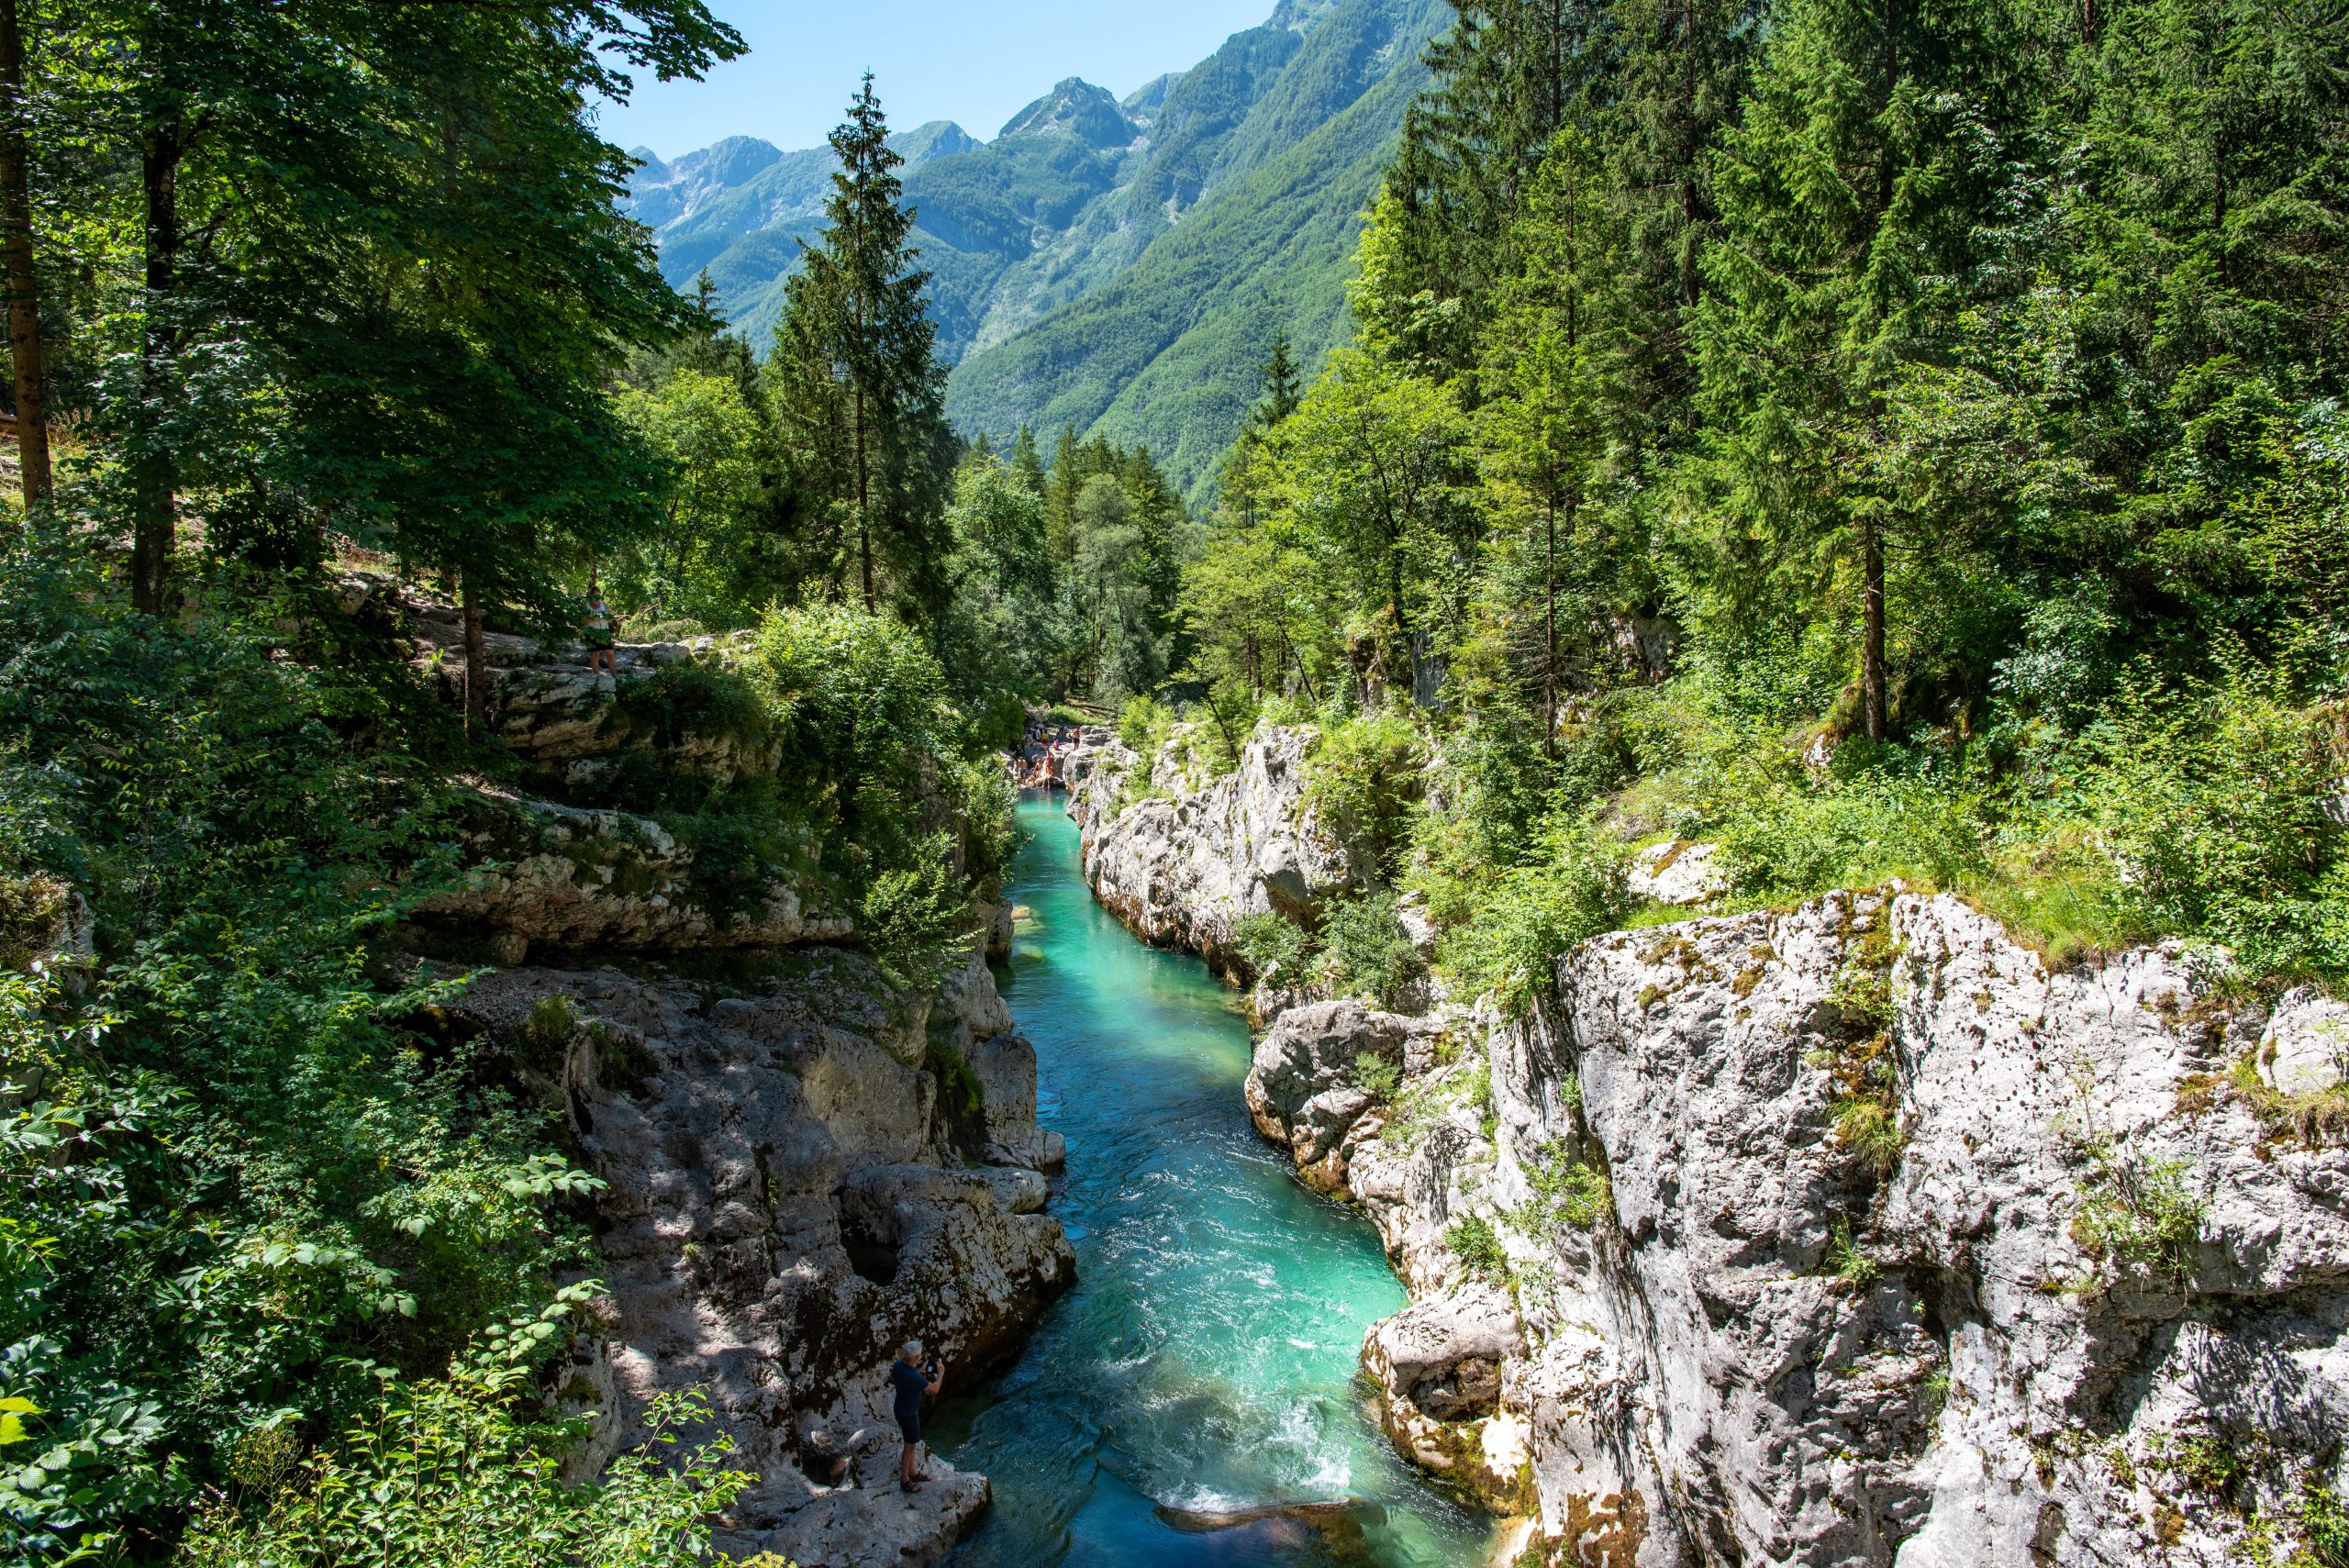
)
(1860, 168)
(858, 376)
(1027, 465)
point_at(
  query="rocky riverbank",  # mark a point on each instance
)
(1181, 855)
(1849, 1234)
(806, 1160)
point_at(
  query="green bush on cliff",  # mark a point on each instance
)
(1365, 953)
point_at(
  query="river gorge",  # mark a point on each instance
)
(1206, 1366)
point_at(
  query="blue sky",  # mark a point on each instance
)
(974, 61)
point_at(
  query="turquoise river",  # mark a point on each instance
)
(1195, 1400)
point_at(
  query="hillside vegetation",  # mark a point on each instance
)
(1092, 241)
(1875, 443)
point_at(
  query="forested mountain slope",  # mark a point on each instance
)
(1166, 353)
(1092, 241)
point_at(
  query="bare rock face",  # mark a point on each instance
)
(1183, 868)
(1852, 1235)
(560, 875)
(789, 1198)
(1679, 873)
(573, 723)
(1303, 1087)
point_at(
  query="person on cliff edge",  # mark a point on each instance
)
(912, 1378)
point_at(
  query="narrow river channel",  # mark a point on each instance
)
(1205, 1367)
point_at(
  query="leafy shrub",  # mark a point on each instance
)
(1567, 1189)
(1513, 925)
(1478, 1247)
(917, 920)
(1361, 781)
(859, 705)
(453, 1471)
(2143, 1217)
(2212, 801)
(1364, 953)
(1142, 725)
(273, 1186)
(1271, 940)
(2324, 1529)
(1846, 1262)
(1377, 1077)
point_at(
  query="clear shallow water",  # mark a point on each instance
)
(1205, 1363)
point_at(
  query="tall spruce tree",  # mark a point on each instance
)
(1864, 168)
(860, 385)
(1508, 75)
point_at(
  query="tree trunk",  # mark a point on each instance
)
(154, 506)
(17, 256)
(864, 506)
(1872, 675)
(1550, 639)
(476, 664)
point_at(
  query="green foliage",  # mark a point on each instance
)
(1271, 940)
(1569, 1189)
(857, 385)
(1362, 780)
(274, 1186)
(706, 437)
(1505, 930)
(2324, 1529)
(1364, 953)
(1377, 1077)
(453, 1471)
(1478, 1247)
(860, 705)
(1849, 1265)
(1142, 724)
(1870, 1129)
(917, 919)
(2138, 1215)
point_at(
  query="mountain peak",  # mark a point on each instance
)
(1075, 107)
(1142, 106)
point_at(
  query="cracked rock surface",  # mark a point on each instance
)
(1848, 1234)
(788, 1201)
(1184, 867)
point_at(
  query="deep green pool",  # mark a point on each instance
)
(1205, 1363)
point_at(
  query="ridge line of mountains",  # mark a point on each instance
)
(1120, 265)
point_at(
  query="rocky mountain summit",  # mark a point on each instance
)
(1844, 1234)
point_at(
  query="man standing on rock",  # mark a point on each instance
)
(911, 1380)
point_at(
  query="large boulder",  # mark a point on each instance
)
(1183, 866)
(562, 876)
(1304, 1087)
(785, 1206)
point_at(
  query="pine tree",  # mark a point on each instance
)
(1543, 420)
(1508, 75)
(1026, 464)
(858, 377)
(1279, 386)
